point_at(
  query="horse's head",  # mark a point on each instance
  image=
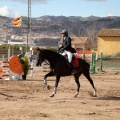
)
(40, 57)
(49, 55)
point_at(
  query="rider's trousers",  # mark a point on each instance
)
(69, 54)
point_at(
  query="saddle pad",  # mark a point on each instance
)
(76, 62)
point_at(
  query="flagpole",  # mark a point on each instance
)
(29, 24)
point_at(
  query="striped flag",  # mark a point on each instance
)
(17, 21)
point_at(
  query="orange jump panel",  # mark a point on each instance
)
(15, 65)
(0, 70)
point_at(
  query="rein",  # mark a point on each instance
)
(49, 58)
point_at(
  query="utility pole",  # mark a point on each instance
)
(29, 25)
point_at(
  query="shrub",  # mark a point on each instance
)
(24, 60)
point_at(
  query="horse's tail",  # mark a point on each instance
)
(85, 62)
(88, 65)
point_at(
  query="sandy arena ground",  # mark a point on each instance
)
(29, 99)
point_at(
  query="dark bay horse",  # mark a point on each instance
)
(59, 68)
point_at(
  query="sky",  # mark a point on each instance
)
(83, 8)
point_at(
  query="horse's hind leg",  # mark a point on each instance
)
(76, 76)
(87, 75)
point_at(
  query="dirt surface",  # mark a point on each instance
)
(29, 99)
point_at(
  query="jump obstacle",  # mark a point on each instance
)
(12, 68)
(91, 58)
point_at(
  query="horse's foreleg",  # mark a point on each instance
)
(54, 92)
(78, 84)
(45, 78)
(56, 84)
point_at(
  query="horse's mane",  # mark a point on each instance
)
(52, 53)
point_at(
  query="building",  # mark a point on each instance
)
(79, 43)
(16, 42)
(109, 41)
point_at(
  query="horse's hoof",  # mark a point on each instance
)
(48, 87)
(94, 95)
(52, 95)
(75, 96)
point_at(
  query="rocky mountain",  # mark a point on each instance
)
(45, 30)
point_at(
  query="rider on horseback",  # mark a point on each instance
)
(68, 50)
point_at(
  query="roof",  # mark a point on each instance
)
(77, 40)
(109, 33)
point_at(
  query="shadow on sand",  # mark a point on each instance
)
(116, 98)
(6, 95)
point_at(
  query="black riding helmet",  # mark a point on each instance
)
(64, 32)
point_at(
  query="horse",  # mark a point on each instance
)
(59, 67)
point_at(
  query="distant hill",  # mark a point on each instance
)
(64, 18)
(46, 30)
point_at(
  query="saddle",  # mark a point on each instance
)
(75, 61)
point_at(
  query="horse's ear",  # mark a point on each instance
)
(38, 49)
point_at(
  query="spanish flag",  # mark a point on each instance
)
(17, 21)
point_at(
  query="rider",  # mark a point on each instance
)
(68, 50)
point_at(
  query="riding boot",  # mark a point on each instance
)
(73, 68)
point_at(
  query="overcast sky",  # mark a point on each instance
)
(84, 8)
